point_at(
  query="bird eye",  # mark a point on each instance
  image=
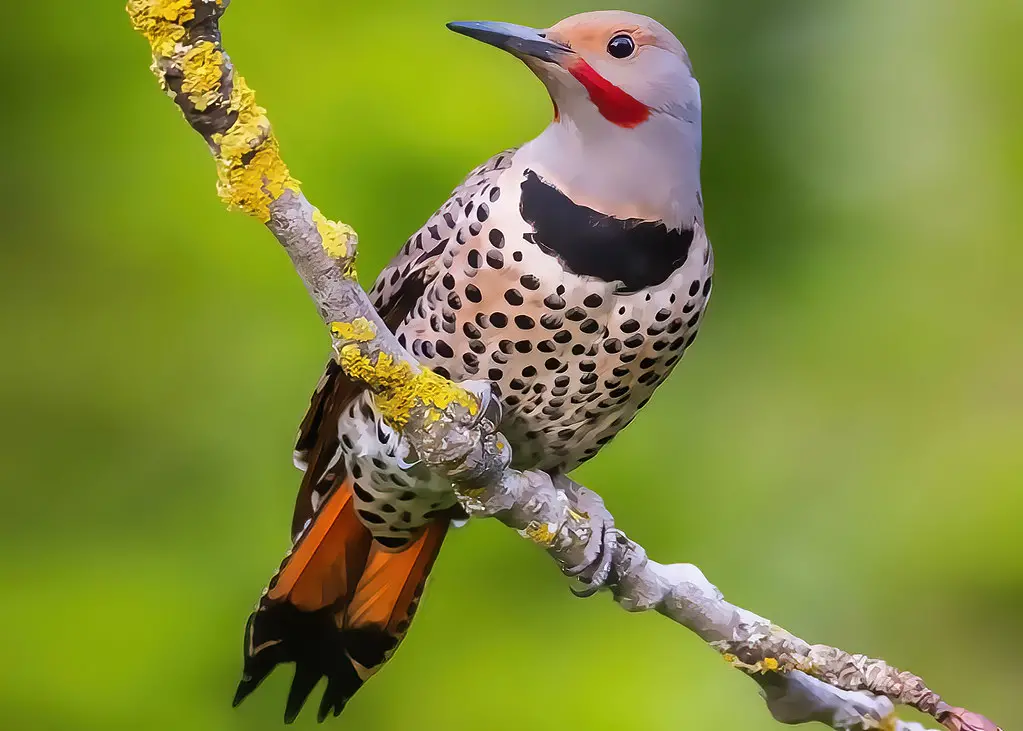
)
(621, 46)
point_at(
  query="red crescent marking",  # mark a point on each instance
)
(615, 105)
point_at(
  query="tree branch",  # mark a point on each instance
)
(452, 427)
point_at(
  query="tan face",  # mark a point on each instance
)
(618, 55)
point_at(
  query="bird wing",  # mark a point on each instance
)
(397, 290)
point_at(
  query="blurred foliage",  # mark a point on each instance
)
(841, 451)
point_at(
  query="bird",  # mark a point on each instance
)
(572, 272)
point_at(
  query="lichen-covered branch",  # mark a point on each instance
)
(453, 427)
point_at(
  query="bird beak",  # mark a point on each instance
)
(518, 40)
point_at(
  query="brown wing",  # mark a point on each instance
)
(395, 294)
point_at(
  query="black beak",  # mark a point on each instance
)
(516, 39)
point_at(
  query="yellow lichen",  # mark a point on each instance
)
(359, 330)
(251, 172)
(334, 235)
(202, 68)
(399, 389)
(160, 21)
(541, 533)
(767, 665)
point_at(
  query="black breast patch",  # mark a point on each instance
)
(638, 253)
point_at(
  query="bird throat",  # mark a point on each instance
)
(637, 253)
(615, 105)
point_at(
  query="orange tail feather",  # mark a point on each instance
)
(338, 606)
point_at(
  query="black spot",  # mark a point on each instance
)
(576, 314)
(497, 238)
(370, 517)
(613, 345)
(517, 255)
(552, 364)
(444, 350)
(589, 326)
(647, 363)
(483, 212)
(554, 302)
(513, 297)
(562, 381)
(593, 300)
(694, 320)
(473, 258)
(688, 307)
(471, 360)
(635, 341)
(588, 366)
(675, 325)
(588, 378)
(523, 346)
(706, 287)
(472, 293)
(638, 253)
(499, 319)
(387, 508)
(388, 542)
(517, 384)
(525, 322)
(529, 372)
(662, 314)
(495, 194)
(506, 346)
(539, 388)
(441, 371)
(495, 374)
(356, 470)
(468, 208)
(529, 281)
(477, 347)
(495, 259)
(551, 322)
(694, 288)
(630, 326)
(566, 433)
(471, 331)
(362, 494)
(460, 236)
(647, 378)
(475, 228)
(576, 349)
(448, 281)
(619, 392)
(546, 346)
(454, 301)
(564, 336)
(620, 372)
(428, 349)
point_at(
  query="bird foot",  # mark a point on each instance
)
(596, 570)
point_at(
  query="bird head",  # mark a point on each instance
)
(607, 67)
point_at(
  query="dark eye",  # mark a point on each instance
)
(621, 46)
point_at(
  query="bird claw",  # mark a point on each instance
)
(597, 568)
(490, 403)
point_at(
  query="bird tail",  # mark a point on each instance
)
(338, 606)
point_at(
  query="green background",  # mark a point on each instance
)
(841, 451)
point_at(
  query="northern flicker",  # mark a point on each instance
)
(572, 272)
